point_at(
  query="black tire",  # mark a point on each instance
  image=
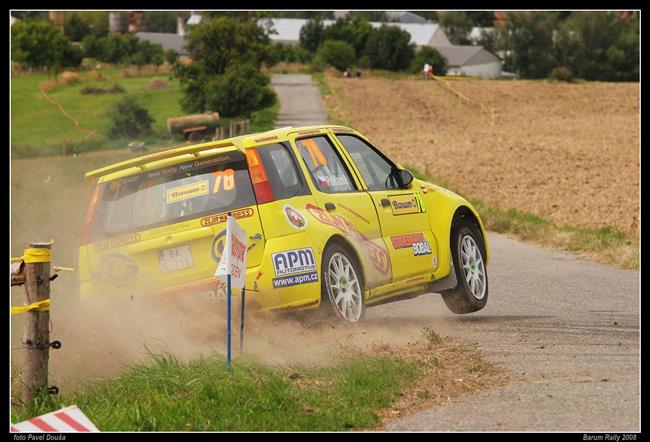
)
(353, 287)
(467, 297)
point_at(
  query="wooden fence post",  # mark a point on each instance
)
(36, 337)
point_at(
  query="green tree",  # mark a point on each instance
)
(240, 90)
(171, 56)
(312, 34)
(38, 44)
(337, 53)
(227, 56)
(353, 32)
(224, 40)
(600, 46)
(531, 42)
(147, 53)
(457, 26)
(75, 28)
(130, 119)
(431, 56)
(389, 48)
(160, 21)
(119, 49)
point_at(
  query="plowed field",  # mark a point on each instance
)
(565, 152)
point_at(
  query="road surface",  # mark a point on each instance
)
(300, 101)
(565, 329)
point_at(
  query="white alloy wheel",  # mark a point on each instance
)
(473, 267)
(344, 288)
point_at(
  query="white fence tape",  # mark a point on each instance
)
(65, 420)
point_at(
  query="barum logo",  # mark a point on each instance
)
(293, 261)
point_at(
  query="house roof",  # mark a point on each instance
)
(466, 55)
(288, 29)
(406, 17)
(166, 40)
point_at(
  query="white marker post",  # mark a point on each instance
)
(233, 266)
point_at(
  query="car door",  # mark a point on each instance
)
(401, 211)
(343, 204)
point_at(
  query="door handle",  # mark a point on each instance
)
(385, 202)
(257, 237)
(330, 206)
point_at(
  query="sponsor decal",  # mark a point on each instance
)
(378, 255)
(434, 261)
(261, 140)
(355, 213)
(333, 181)
(404, 241)
(252, 246)
(187, 191)
(404, 204)
(218, 246)
(259, 275)
(117, 242)
(185, 167)
(421, 248)
(222, 217)
(420, 201)
(293, 261)
(294, 217)
(309, 132)
(288, 281)
(118, 267)
(168, 229)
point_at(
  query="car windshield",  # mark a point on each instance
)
(174, 193)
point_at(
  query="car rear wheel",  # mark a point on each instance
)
(468, 255)
(342, 290)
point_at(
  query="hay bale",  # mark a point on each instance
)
(157, 83)
(69, 78)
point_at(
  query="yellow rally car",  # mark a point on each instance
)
(331, 221)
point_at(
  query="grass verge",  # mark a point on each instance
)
(604, 245)
(169, 395)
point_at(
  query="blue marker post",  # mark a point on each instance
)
(229, 294)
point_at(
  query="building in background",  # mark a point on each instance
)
(471, 61)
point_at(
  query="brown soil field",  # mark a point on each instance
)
(565, 152)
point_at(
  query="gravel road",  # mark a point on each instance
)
(300, 101)
(565, 329)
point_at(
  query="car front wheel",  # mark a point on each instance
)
(468, 255)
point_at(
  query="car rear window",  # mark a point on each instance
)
(173, 194)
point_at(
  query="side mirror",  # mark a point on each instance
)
(405, 178)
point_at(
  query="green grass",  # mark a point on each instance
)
(39, 129)
(168, 395)
(605, 244)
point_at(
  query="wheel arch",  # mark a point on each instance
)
(466, 215)
(340, 240)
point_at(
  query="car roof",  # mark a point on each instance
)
(162, 158)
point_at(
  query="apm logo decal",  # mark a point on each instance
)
(293, 261)
(118, 267)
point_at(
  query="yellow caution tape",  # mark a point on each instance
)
(33, 255)
(41, 306)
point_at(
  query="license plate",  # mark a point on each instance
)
(175, 258)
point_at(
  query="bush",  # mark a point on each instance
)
(561, 74)
(434, 58)
(130, 119)
(239, 91)
(91, 90)
(337, 53)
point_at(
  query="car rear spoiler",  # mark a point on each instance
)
(140, 161)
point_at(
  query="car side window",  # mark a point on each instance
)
(329, 173)
(282, 171)
(377, 171)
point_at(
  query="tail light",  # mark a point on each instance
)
(85, 237)
(261, 184)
